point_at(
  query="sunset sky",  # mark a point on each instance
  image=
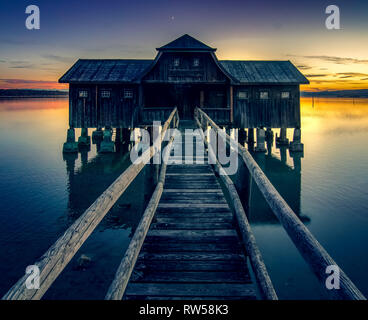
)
(240, 30)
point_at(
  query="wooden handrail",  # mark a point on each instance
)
(53, 262)
(311, 250)
(125, 269)
(259, 268)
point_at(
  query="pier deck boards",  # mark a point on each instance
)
(192, 249)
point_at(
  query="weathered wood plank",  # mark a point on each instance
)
(237, 265)
(192, 226)
(189, 276)
(203, 235)
(194, 206)
(190, 256)
(176, 247)
(179, 289)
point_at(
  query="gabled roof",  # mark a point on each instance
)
(264, 72)
(129, 70)
(105, 71)
(186, 43)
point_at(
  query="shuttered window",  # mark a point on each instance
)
(83, 94)
(285, 95)
(128, 94)
(105, 94)
(242, 95)
(263, 95)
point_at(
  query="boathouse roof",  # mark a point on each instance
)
(186, 42)
(102, 71)
(264, 72)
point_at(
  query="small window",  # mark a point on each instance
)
(242, 95)
(263, 95)
(196, 62)
(285, 95)
(105, 94)
(83, 94)
(128, 94)
(176, 62)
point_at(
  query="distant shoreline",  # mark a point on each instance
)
(29, 93)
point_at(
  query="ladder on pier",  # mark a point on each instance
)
(192, 249)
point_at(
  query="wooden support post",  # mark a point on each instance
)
(250, 135)
(242, 136)
(269, 134)
(231, 91)
(296, 145)
(97, 135)
(84, 140)
(282, 140)
(201, 98)
(260, 140)
(70, 145)
(107, 145)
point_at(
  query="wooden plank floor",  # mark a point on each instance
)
(192, 250)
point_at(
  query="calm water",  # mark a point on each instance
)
(42, 193)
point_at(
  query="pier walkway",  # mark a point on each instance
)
(192, 249)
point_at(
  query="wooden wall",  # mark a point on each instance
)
(166, 71)
(97, 111)
(274, 112)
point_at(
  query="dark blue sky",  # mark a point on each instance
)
(261, 29)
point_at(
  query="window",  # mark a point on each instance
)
(83, 94)
(242, 95)
(263, 95)
(105, 94)
(176, 62)
(285, 95)
(128, 94)
(196, 62)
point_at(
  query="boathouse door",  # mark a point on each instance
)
(186, 99)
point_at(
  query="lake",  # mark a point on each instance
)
(42, 192)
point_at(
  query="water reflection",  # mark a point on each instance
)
(285, 178)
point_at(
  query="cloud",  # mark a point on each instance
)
(316, 75)
(58, 58)
(334, 59)
(304, 67)
(352, 74)
(25, 81)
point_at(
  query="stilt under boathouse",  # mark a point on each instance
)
(123, 94)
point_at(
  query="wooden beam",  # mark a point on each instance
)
(122, 275)
(311, 250)
(53, 262)
(259, 268)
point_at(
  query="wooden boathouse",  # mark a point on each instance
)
(185, 74)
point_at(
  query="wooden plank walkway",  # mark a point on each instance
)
(192, 249)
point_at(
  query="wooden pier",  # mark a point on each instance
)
(192, 249)
(194, 240)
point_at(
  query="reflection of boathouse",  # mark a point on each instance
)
(187, 74)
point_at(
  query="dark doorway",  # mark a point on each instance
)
(183, 96)
(186, 99)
